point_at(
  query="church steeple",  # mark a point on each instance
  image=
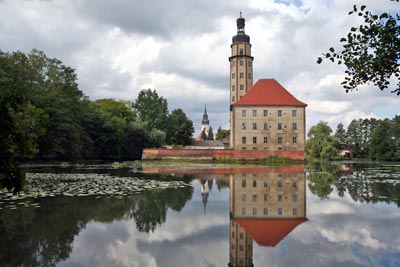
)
(205, 120)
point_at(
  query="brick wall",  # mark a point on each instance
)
(220, 154)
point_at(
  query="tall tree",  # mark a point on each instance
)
(383, 143)
(371, 51)
(340, 134)
(152, 109)
(21, 122)
(180, 128)
(320, 143)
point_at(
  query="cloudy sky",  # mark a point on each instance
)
(181, 49)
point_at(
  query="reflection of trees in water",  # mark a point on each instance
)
(364, 183)
(44, 236)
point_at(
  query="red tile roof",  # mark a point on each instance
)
(268, 92)
(269, 232)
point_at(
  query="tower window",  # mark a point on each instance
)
(233, 75)
(243, 113)
(241, 51)
(243, 126)
(279, 126)
(241, 87)
(233, 99)
(254, 112)
(294, 126)
(279, 113)
(249, 75)
(233, 87)
(265, 126)
(249, 63)
(294, 140)
(244, 140)
(265, 140)
(279, 140)
(241, 75)
(254, 125)
(241, 63)
(294, 113)
(254, 139)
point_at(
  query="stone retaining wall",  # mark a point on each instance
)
(221, 154)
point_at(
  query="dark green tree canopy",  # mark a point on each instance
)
(371, 51)
(180, 128)
(152, 109)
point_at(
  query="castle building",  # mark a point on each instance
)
(264, 116)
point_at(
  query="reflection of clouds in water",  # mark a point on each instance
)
(329, 207)
(361, 236)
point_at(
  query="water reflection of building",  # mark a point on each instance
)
(265, 207)
(205, 191)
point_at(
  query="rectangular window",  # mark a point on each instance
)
(280, 183)
(254, 211)
(294, 211)
(254, 139)
(244, 140)
(254, 197)
(280, 140)
(242, 87)
(294, 198)
(233, 99)
(265, 198)
(294, 184)
(279, 211)
(243, 113)
(233, 75)
(254, 183)
(240, 247)
(233, 87)
(249, 75)
(243, 183)
(279, 126)
(265, 183)
(243, 211)
(265, 113)
(280, 197)
(241, 75)
(265, 211)
(241, 51)
(265, 126)
(294, 113)
(279, 113)
(265, 139)
(294, 126)
(243, 126)
(294, 140)
(254, 113)
(243, 197)
(241, 235)
(241, 63)
(254, 125)
(249, 63)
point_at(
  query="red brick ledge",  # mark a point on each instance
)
(221, 154)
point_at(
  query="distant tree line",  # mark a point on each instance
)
(44, 115)
(367, 138)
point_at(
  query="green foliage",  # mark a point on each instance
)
(21, 122)
(340, 134)
(152, 109)
(370, 51)
(221, 134)
(320, 143)
(180, 128)
(210, 134)
(383, 144)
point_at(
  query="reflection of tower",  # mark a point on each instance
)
(205, 190)
(264, 206)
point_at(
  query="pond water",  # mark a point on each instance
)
(314, 215)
